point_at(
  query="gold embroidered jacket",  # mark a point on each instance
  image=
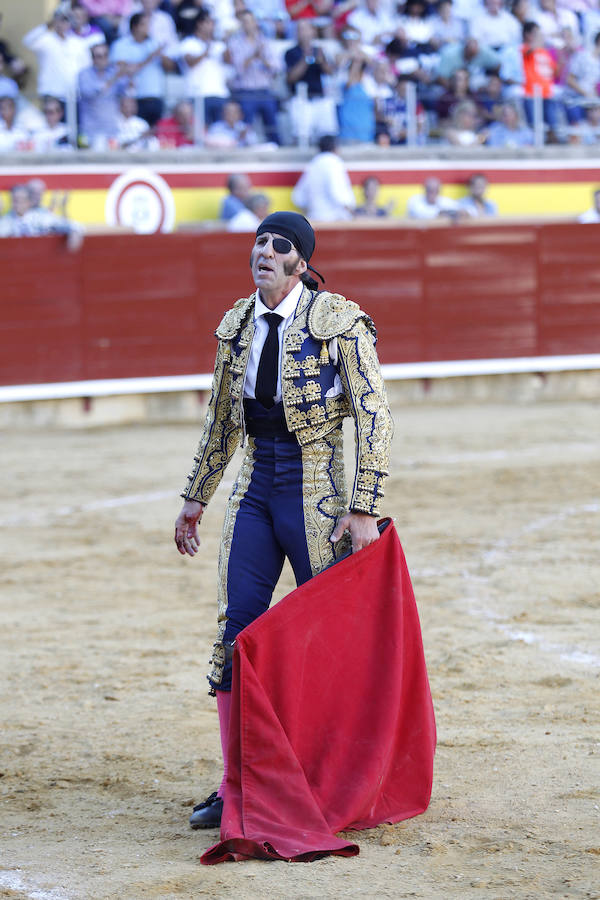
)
(330, 343)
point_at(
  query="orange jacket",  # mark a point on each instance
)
(540, 69)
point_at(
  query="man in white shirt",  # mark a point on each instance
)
(324, 192)
(61, 56)
(495, 27)
(375, 25)
(292, 362)
(206, 71)
(430, 204)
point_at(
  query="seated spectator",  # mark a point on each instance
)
(478, 60)
(583, 78)
(476, 205)
(391, 117)
(250, 218)
(57, 202)
(205, 69)
(54, 134)
(14, 223)
(8, 86)
(415, 23)
(100, 86)
(231, 130)
(495, 27)
(13, 136)
(255, 67)
(405, 59)
(370, 208)
(133, 132)
(431, 204)
(463, 130)
(312, 113)
(539, 69)
(357, 109)
(587, 131)
(564, 55)
(446, 27)
(324, 191)
(239, 187)
(592, 215)
(27, 220)
(177, 130)
(374, 24)
(459, 89)
(552, 20)
(509, 131)
(61, 56)
(145, 64)
(489, 99)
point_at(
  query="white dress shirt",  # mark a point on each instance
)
(286, 309)
(324, 191)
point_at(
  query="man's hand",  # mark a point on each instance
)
(186, 527)
(362, 527)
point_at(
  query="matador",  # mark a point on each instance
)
(292, 362)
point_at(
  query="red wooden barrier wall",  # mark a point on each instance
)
(128, 305)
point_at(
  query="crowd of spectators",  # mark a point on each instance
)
(324, 193)
(146, 74)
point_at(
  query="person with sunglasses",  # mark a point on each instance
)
(292, 362)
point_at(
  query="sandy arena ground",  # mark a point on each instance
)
(108, 735)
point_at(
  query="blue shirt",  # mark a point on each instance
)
(357, 115)
(230, 206)
(501, 136)
(150, 80)
(99, 105)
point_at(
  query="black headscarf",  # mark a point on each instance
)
(296, 229)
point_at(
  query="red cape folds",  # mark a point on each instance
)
(332, 724)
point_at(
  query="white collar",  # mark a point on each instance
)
(284, 309)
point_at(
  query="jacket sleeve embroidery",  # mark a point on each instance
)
(365, 389)
(220, 435)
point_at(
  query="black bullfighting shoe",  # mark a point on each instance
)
(208, 813)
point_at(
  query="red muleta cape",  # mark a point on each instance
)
(332, 724)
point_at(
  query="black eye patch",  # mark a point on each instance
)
(282, 245)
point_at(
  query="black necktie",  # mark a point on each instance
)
(266, 377)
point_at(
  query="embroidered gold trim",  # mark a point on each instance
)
(324, 497)
(237, 495)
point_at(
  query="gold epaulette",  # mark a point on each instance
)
(330, 315)
(234, 318)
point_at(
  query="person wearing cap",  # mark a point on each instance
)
(292, 362)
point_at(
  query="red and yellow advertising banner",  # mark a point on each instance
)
(153, 195)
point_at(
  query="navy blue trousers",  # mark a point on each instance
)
(269, 526)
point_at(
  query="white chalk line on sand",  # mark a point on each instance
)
(494, 554)
(12, 881)
(43, 516)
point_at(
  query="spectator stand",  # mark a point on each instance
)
(416, 43)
